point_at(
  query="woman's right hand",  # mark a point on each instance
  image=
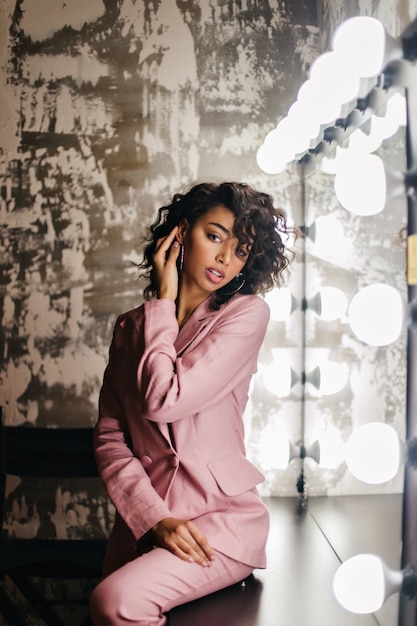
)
(184, 539)
(165, 265)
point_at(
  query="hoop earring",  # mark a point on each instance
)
(239, 277)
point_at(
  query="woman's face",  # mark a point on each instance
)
(213, 255)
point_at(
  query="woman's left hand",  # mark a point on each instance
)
(184, 539)
(165, 265)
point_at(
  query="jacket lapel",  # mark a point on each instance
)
(195, 324)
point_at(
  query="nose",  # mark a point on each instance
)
(225, 253)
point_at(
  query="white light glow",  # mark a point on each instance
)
(376, 314)
(364, 45)
(333, 80)
(328, 165)
(382, 126)
(281, 302)
(359, 584)
(397, 109)
(333, 303)
(278, 377)
(268, 161)
(363, 184)
(364, 582)
(304, 126)
(325, 111)
(334, 377)
(373, 453)
(332, 447)
(275, 446)
(329, 377)
(276, 150)
(363, 142)
(327, 234)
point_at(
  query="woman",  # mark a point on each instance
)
(169, 440)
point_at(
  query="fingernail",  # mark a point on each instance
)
(175, 244)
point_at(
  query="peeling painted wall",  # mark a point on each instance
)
(110, 107)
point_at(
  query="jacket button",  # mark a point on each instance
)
(175, 461)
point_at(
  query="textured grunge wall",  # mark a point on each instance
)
(108, 108)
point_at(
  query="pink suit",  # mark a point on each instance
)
(169, 442)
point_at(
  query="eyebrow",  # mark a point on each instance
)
(248, 244)
(223, 228)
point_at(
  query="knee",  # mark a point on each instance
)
(113, 604)
(103, 606)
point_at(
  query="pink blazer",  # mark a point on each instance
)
(169, 440)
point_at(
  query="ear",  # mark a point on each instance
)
(183, 228)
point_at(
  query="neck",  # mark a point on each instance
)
(187, 303)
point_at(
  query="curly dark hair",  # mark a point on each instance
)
(255, 213)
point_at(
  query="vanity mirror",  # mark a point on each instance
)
(358, 174)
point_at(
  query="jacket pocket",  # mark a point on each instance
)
(234, 474)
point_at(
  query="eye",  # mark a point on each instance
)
(214, 237)
(242, 252)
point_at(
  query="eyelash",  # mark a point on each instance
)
(240, 252)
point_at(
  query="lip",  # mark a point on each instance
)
(215, 275)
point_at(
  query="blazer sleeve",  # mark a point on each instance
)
(174, 387)
(122, 473)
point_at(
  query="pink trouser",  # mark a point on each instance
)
(143, 590)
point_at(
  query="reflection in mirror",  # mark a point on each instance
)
(359, 179)
(369, 338)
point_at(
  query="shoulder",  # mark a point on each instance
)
(249, 312)
(132, 315)
(129, 321)
(150, 313)
(249, 304)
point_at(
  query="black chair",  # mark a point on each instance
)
(60, 453)
(237, 605)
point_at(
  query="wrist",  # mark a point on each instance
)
(166, 296)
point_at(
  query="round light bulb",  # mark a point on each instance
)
(376, 314)
(361, 142)
(281, 303)
(373, 453)
(333, 303)
(324, 110)
(305, 127)
(268, 161)
(383, 127)
(276, 150)
(327, 234)
(278, 377)
(336, 82)
(362, 583)
(334, 377)
(364, 46)
(397, 109)
(281, 138)
(360, 184)
(363, 184)
(328, 377)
